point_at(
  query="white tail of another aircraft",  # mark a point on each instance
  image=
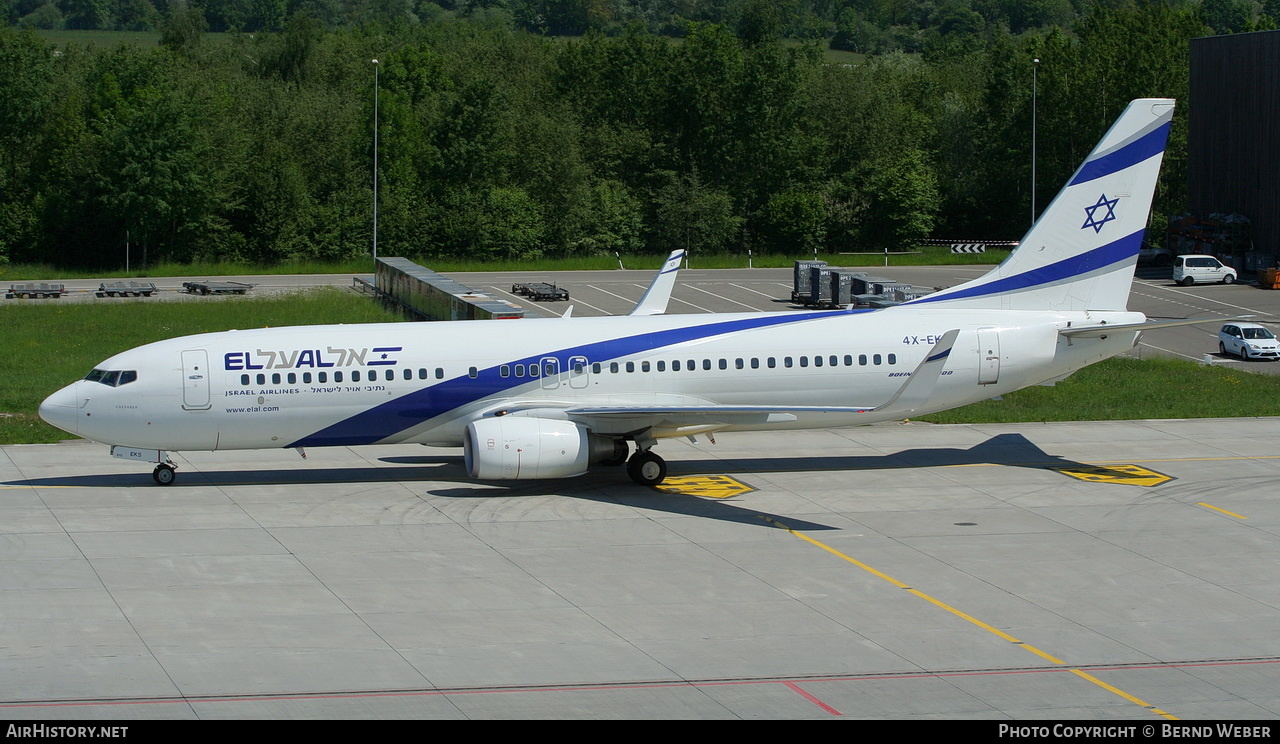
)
(656, 297)
(1080, 254)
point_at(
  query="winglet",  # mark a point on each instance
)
(919, 386)
(654, 301)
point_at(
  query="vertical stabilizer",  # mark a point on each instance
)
(654, 301)
(1081, 252)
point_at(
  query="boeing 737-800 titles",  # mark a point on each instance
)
(548, 398)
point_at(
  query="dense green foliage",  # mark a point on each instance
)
(496, 142)
(34, 365)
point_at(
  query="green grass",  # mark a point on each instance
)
(47, 347)
(1126, 388)
(927, 256)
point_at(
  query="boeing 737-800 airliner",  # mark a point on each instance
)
(547, 398)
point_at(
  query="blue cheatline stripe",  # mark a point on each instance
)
(1067, 268)
(941, 355)
(1150, 144)
(392, 417)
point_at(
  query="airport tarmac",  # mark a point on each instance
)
(1124, 570)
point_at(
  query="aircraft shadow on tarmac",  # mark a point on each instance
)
(1013, 450)
(605, 485)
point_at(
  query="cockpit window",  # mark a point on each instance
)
(112, 378)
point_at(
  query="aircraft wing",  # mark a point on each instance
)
(654, 301)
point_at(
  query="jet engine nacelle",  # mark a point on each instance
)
(518, 447)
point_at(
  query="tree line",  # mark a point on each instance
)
(494, 141)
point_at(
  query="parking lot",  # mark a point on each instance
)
(615, 292)
(744, 290)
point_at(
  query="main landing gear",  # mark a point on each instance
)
(164, 474)
(646, 468)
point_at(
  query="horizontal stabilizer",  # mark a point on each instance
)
(1150, 325)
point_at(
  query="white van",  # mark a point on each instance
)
(1193, 268)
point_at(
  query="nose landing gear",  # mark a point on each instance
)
(164, 474)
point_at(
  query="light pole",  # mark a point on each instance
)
(1035, 63)
(375, 164)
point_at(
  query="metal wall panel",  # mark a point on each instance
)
(1234, 131)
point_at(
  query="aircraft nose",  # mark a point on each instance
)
(60, 409)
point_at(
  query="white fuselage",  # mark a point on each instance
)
(423, 382)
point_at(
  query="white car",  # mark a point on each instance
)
(1248, 341)
(1193, 268)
